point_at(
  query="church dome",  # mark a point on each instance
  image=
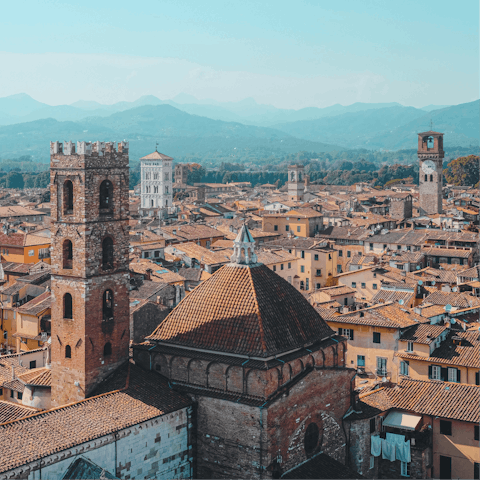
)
(243, 309)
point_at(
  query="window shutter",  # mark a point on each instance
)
(477, 378)
(444, 374)
(351, 334)
(458, 375)
(339, 331)
(430, 372)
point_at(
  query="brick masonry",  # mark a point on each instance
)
(86, 225)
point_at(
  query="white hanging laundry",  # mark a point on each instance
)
(388, 450)
(376, 445)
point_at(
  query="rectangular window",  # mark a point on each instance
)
(354, 284)
(274, 268)
(404, 368)
(339, 269)
(11, 393)
(316, 257)
(476, 435)
(445, 427)
(307, 284)
(435, 372)
(19, 395)
(318, 286)
(477, 378)
(376, 337)
(275, 228)
(340, 253)
(33, 364)
(302, 254)
(346, 332)
(287, 228)
(289, 265)
(372, 462)
(349, 253)
(409, 346)
(453, 375)
(476, 470)
(373, 426)
(298, 229)
(302, 268)
(360, 360)
(371, 246)
(374, 286)
(31, 253)
(404, 469)
(381, 366)
(319, 272)
(363, 285)
(1, 392)
(329, 256)
(281, 266)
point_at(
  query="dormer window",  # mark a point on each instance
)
(409, 346)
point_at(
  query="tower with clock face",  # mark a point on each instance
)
(430, 156)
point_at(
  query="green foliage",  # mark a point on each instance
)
(195, 173)
(42, 180)
(463, 171)
(393, 182)
(15, 180)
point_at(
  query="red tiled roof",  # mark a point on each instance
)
(11, 411)
(246, 310)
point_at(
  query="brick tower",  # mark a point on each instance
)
(430, 156)
(296, 187)
(90, 307)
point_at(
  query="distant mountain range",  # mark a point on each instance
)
(186, 126)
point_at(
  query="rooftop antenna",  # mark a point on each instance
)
(156, 146)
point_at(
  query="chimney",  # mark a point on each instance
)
(149, 274)
(13, 372)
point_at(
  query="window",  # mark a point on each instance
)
(302, 254)
(289, 251)
(371, 246)
(298, 228)
(372, 462)
(426, 178)
(354, 284)
(11, 393)
(67, 254)
(431, 178)
(360, 360)
(107, 349)
(373, 426)
(307, 284)
(107, 253)
(445, 427)
(33, 364)
(363, 285)
(329, 256)
(155, 189)
(275, 228)
(302, 285)
(339, 269)
(287, 228)
(376, 337)
(312, 435)
(374, 286)
(346, 332)
(454, 375)
(108, 305)
(477, 378)
(319, 272)
(31, 253)
(106, 195)
(381, 366)
(19, 395)
(289, 265)
(156, 253)
(67, 197)
(476, 470)
(281, 266)
(434, 372)
(349, 253)
(67, 306)
(476, 432)
(409, 346)
(274, 268)
(68, 351)
(302, 268)
(340, 253)
(1, 392)
(316, 257)
(318, 286)
(404, 368)
(404, 469)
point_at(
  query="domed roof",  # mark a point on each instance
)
(244, 310)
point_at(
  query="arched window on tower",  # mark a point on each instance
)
(107, 349)
(68, 351)
(67, 306)
(430, 142)
(107, 305)
(68, 197)
(426, 178)
(67, 254)
(431, 178)
(106, 196)
(151, 203)
(107, 253)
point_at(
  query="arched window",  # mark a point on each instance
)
(67, 254)
(312, 435)
(68, 197)
(67, 306)
(108, 305)
(107, 349)
(426, 178)
(107, 253)
(431, 178)
(106, 195)
(151, 203)
(68, 351)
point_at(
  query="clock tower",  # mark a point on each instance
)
(430, 175)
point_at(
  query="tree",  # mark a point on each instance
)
(42, 180)
(463, 171)
(195, 173)
(29, 180)
(15, 180)
(331, 282)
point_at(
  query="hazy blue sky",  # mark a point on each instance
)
(289, 54)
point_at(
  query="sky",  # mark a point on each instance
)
(291, 54)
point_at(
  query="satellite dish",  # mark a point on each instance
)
(401, 301)
(384, 379)
(454, 289)
(452, 321)
(418, 267)
(433, 282)
(420, 282)
(448, 308)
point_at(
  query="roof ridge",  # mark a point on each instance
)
(257, 308)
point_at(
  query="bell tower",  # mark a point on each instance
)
(296, 187)
(90, 240)
(430, 175)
